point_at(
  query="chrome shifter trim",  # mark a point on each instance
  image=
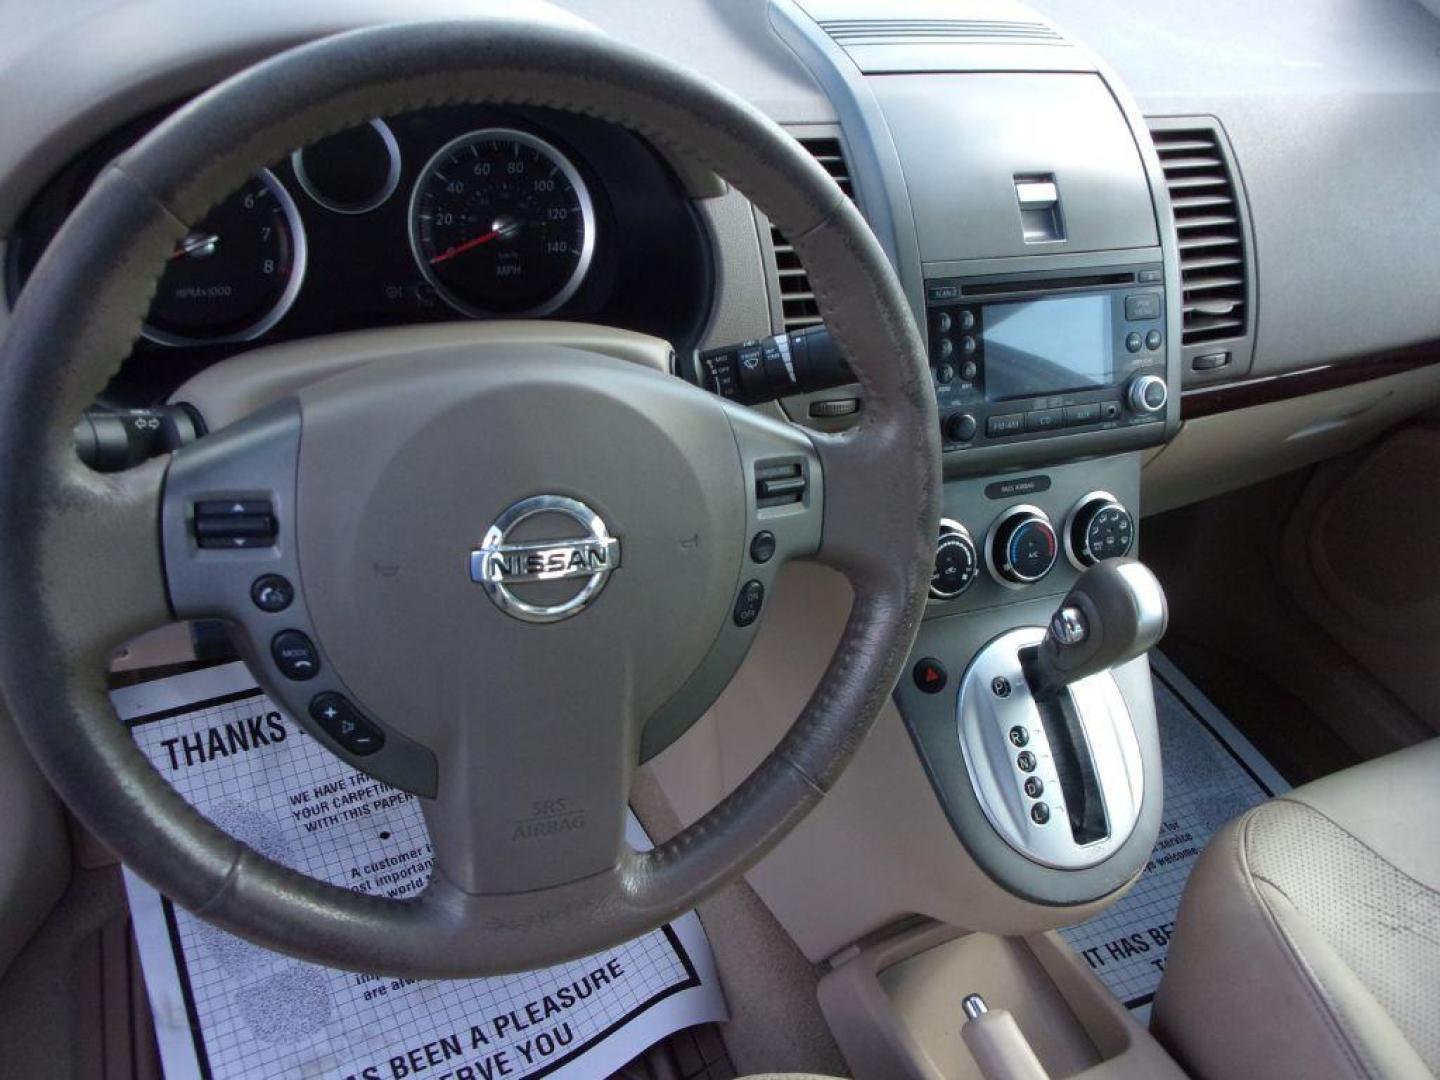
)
(984, 719)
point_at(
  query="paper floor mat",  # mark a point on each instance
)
(227, 1009)
(1212, 774)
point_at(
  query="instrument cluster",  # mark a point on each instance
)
(441, 214)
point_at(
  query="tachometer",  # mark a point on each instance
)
(234, 275)
(501, 223)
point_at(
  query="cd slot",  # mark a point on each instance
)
(1053, 284)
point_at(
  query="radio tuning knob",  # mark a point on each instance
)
(957, 563)
(1147, 394)
(1022, 547)
(1099, 527)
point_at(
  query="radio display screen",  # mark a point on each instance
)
(1039, 347)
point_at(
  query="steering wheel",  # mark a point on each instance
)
(419, 499)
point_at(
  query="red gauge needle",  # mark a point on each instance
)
(200, 245)
(460, 249)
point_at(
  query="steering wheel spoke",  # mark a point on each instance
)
(102, 566)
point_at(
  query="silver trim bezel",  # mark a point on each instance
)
(587, 216)
(1135, 395)
(1071, 555)
(287, 298)
(1108, 730)
(392, 178)
(950, 527)
(1027, 509)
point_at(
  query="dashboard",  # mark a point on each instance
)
(1157, 252)
(1277, 175)
(438, 215)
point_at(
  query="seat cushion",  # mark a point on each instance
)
(1308, 940)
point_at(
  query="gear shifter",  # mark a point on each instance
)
(1046, 732)
(1115, 612)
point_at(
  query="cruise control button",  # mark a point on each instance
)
(762, 546)
(272, 593)
(747, 604)
(344, 723)
(295, 655)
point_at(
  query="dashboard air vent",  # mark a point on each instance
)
(1208, 222)
(847, 32)
(797, 301)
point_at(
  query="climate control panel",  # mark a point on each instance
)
(1021, 547)
(957, 563)
(1098, 527)
(1030, 535)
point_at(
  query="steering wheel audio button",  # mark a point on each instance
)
(272, 593)
(295, 655)
(344, 723)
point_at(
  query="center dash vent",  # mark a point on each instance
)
(848, 32)
(1209, 222)
(797, 301)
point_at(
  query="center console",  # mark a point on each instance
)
(1058, 801)
(1027, 213)
(1013, 784)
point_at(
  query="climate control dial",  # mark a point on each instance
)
(1098, 528)
(957, 563)
(1022, 547)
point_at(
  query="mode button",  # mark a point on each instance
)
(295, 655)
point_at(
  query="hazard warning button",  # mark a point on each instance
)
(930, 675)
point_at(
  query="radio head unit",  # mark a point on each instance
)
(1018, 357)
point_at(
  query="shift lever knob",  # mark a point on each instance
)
(1115, 612)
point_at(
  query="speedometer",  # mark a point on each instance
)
(501, 223)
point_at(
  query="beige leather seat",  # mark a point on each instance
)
(1308, 941)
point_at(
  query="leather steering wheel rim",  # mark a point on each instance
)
(83, 555)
